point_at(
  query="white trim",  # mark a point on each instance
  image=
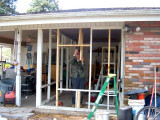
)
(94, 25)
(72, 109)
(61, 67)
(67, 67)
(90, 68)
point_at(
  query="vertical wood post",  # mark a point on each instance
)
(80, 41)
(109, 45)
(39, 68)
(57, 66)
(18, 77)
(49, 64)
(79, 99)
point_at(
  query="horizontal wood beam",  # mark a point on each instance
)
(84, 45)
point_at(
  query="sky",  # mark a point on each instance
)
(23, 5)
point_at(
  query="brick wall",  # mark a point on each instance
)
(142, 52)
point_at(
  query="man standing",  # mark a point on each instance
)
(77, 74)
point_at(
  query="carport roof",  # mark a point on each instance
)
(83, 15)
(92, 9)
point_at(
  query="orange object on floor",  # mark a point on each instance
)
(60, 103)
(140, 96)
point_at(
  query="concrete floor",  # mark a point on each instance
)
(29, 101)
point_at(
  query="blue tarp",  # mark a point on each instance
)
(136, 91)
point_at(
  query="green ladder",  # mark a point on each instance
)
(101, 94)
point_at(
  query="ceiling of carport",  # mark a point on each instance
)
(98, 35)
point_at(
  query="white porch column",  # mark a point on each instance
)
(61, 74)
(39, 68)
(49, 64)
(90, 69)
(122, 67)
(67, 67)
(18, 77)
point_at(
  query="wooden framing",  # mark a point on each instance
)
(57, 66)
(78, 92)
(79, 99)
(79, 45)
(80, 42)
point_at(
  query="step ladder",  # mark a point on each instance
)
(101, 94)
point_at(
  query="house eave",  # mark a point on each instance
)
(81, 17)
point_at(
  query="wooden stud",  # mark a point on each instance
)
(79, 99)
(57, 66)
(80, 45)
(80, 42)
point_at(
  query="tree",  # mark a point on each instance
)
(43, 6)
(7, 7)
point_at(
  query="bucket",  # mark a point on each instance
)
(140, 96)
(101, 115)
(136, 106)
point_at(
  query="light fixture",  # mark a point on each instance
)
(138, 29)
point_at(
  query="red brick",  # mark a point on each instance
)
(148, 33)
(132, 63)
(155, 47)
(152, 61)
(137, 39)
